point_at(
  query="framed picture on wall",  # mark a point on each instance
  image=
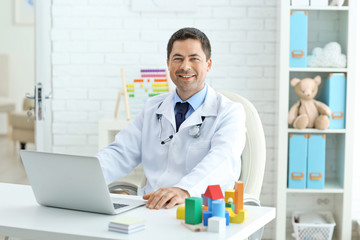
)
(24, 12)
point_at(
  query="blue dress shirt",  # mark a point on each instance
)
(194, 102)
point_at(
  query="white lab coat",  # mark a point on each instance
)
(186, 162)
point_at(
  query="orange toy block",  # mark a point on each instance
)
(205, 208)
(230, 193)
(180, 212)
(238, 218)
(239, 196)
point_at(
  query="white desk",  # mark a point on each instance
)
(21, 216)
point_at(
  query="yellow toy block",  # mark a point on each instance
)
(230, 193)
(180, 212)
(238, 218)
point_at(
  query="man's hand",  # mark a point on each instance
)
(171, 196)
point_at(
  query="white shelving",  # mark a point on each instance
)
(336, 195)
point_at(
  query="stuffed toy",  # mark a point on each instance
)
(307, 112)
(328, 56)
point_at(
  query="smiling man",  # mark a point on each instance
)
(185, 140)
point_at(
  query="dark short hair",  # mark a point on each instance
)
(190, 33)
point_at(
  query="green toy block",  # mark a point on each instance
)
(193, 210)
(230, 205)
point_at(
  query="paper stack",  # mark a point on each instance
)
(127, 225)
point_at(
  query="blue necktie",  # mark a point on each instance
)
(181, 110)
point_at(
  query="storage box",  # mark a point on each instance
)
(297, 161)
(300, 3)
(306, 231)
(316, 161)
(319, 3)
(333, 94)
(298, 39)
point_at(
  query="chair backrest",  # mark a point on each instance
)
(254, 153)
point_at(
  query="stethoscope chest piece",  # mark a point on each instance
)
(195, 131)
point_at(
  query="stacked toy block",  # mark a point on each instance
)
(213, 210)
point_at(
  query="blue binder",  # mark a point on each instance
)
(316, 161)
(334, 95)
(297, 161)
(298, 39)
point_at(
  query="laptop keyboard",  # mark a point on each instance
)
(118, 205)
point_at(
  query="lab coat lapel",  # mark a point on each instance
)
(208, 108)
(166, 109)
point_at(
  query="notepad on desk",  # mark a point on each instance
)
(127, 225)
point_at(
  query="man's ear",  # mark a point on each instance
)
(209, 62)
(167, 62)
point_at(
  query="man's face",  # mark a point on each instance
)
(188, 67)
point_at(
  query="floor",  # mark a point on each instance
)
(11, 167)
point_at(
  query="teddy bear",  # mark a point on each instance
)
(307, 112)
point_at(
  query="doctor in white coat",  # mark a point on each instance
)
(181, 161)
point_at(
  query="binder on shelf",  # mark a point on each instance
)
(316, 161)
(298, 38)
(297, 161)
(334, 95)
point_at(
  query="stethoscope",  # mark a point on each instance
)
(194, 131)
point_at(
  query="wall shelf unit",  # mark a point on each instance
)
(325, 24)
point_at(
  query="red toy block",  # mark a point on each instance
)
(214, 192)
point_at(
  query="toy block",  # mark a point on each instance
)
(205, 208)
(205, 200)
(210, 204)
(218, 208)
(214, 192)
(207, 215)
(180, 212)
(216, 224)
(240, 217)
(195, 228)
(193, 210)
(230, 193)
(239, 196)
(230, 205)
(227, 217)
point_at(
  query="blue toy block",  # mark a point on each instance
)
(298, 39)
(297, 161)
(227, 216)
(316, 161)
(210, 204)
(206, 216)
(218, 208)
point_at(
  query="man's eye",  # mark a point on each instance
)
(177, 59)
(195, 59)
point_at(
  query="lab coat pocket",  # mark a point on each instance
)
(195, 153)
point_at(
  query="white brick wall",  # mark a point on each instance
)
(93, 39)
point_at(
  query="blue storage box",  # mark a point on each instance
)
(297, 161)
(334, 95)
(316, 161)
(298, 39)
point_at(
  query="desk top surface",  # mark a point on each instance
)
(21, 216)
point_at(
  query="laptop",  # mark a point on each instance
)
(72, 182)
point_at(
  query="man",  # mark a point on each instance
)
(185, 140)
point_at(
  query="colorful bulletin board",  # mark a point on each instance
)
(151, 82)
